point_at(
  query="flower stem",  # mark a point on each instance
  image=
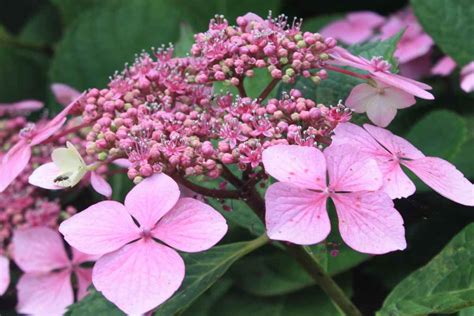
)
(347, 72)
(329, 286)
(268, 89)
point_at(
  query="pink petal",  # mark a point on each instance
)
(44, 176)
(100, 185)
(39, 249)
(64, 94)
(84, 280)
(467, 83)
(122, 162)
(191, 226)
(343, 57)
(304, 167)
(79, 257)
(23, 107)
(444, 67)
(4, 274)
(348, 171)
(296, 215)
(411, 49)
(44, 294)
(393, 143)
(101, 228)
(396, 183)
(13, 163)
(380, 107)
(139, 276)
(365, 18)
(444, 178)
(405, 84)
(352, 134)
(369, 223)
(151, 199)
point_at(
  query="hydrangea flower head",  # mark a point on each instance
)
(136, 272)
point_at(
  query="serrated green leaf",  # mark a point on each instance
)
(444, 285)
(203, 270)
(450, 24)
(107, 36)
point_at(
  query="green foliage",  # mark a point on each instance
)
(185, 41)
(93, 304)
(103, 39)
(203, 270)
(450, 24)
(444, 285)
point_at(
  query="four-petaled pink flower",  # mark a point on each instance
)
(357, 27)
(17, 158)
(45, 288)
(136, 272)
(296, 206)
(391, 151)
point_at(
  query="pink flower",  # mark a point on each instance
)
(379, 100)
(296, 206)
(414, 42)
(467, 77)
(356, 28)
(391, 151)
(20, 108)
(444, 67)
(379, 70)
(45, 288)
(64, 94)
(17, 158)
(135, 272)
(4, 274)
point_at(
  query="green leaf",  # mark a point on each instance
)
(241, 215)
(203, 270)
(202, 306)
(71, 9)
(93, 304)
(254, 86)
(315, 24)
(440, 133)
(22, 75)
(467, 312)
(450, 24)
(185, 41)
(444, 285)
(43, 28)
(107, 36)
(463, 159)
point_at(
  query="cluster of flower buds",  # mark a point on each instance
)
(162, 114)
(231, 53)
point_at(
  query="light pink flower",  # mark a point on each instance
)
(296, 206)
(4, 274)
(137, 273)
(444, 67)
(379, 100)
(391, 151)
(45, 288)
(17, 158)
(357, 27)
(20, 108)
(467, 77)
(379, 70)
(64, 94)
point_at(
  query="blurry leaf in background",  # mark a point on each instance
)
(22, 75)
(71, 9)
(199, 12)
(464, 159)
(43, 28)
(104, 38)
(450, 24)
(317, 23)
(202, 306)
(185, 41)
(254, 86)
(444, 285)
